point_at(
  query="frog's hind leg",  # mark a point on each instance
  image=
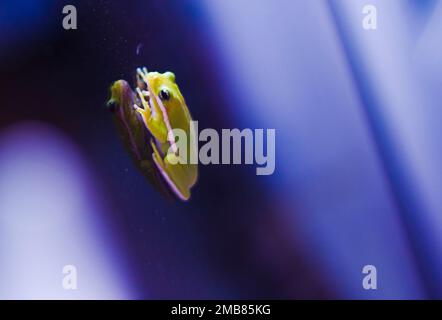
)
(170, 174)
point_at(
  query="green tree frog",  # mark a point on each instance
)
(162, 110)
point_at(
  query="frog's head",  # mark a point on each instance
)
(165, 98)
(120, 105)
(121, 97)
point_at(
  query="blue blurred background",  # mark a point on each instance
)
(358, 177)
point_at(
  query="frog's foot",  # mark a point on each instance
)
(145, 111)
(142, 72)
(142, 95)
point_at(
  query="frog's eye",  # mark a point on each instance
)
(170, 75)
(164, 94)
(112, 105)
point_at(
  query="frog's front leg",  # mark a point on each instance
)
(155, 126)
